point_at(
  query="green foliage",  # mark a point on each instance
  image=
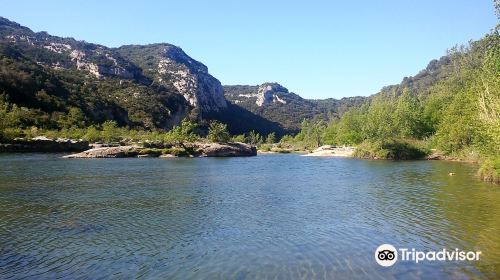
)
(453, 105)
(238, 138)
(60, 98)
(490, 170)
(347, 130)
(286, 139)
(4, 110)
(254, 138)
(265, 147)
(408, 116)
(110, 132)
(92, 134)
(396, 149)
(74, 118)
(271, 138)
(311, 134)
(217, 132)
(290, 114)
(185, 132)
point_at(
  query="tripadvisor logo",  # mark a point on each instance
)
(387, 255)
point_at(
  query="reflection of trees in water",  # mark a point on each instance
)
(428, 209)
(472, 209)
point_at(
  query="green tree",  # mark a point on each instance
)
(408, 116)
(185, 132)
(74, 118)
(217, 132)
(379, 121)
(349, 128)
(254, 138)
(287, 139)
(311, 134)
(92, 134)
(271, 138)
(110, 132)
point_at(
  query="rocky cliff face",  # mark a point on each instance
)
(150, 86)
(170, 65)
(261, 95)
(191, 79)
(268, 93)
(68, 53)
(49, 75)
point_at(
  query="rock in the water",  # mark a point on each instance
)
(107, 152)
(227, 149)
(195, 150)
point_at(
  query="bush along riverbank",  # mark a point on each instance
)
(490, 170)
(395, 149)
(451, 108)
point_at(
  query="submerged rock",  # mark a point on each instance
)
(107, 152)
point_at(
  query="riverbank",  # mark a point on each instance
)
(44, 145)
(332, 151)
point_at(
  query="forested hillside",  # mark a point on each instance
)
(61, 86)
(50, 83)
(275, 103)
(452, 107)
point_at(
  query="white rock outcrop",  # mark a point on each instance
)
(191, 79)
(267, 93)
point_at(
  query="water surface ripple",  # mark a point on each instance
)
(265, 217)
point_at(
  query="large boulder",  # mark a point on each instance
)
(107, 152)
(226, 149)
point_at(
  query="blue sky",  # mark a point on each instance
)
(317, 49)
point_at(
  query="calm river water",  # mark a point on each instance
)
(264, 217)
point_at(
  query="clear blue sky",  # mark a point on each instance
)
(317, 49)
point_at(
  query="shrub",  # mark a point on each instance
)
(271, 138)
(395, 149)
(182, 133)
(238, 138)
(217, 132)
(110, 132)
(490, 170)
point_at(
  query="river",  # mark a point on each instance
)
(264, 217)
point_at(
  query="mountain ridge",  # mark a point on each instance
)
(136, 85)
(154, 86)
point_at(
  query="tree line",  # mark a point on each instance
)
(458, 114)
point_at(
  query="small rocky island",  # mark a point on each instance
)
(197, 149)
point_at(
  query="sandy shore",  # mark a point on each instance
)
(331, 151)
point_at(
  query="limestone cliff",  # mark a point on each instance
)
(170, 65)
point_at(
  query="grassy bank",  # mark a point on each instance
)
(395, 149)
(490, 170)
